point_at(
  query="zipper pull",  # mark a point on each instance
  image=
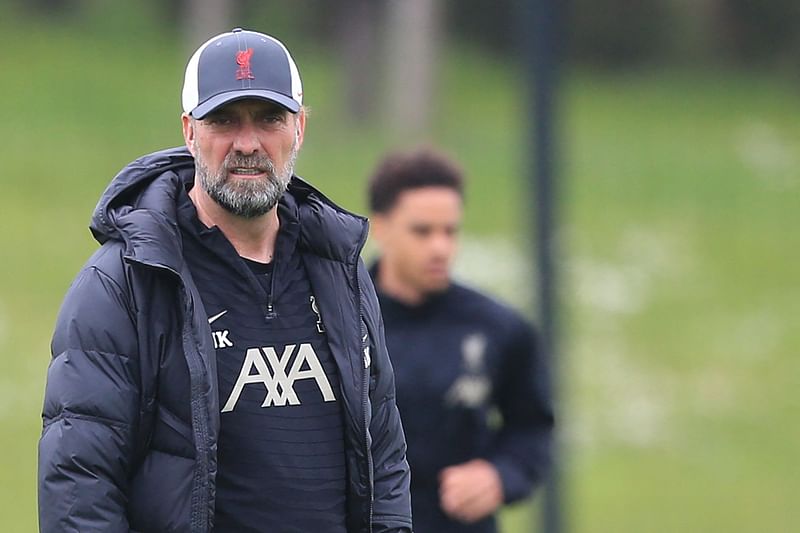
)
(271, 314)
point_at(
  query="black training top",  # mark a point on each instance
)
(281, 460)
(469, 385)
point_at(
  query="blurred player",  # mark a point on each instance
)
(460, 357)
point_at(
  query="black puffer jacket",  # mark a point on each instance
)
(131, 413)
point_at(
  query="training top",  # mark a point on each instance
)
(281, 458)
(470, 384)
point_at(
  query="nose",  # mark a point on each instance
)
(246, 140)
(442, 245)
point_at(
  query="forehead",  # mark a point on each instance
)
(430, 203)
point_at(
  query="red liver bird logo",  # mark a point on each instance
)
(243, 60)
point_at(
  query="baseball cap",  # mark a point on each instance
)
(240, 64)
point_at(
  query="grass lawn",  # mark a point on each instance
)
(679, 212)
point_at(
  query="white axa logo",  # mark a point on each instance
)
(279, 384)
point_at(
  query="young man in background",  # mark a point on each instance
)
(459, 356)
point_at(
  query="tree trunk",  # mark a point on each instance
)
(203, 19)
(358, 21)
(412, 53)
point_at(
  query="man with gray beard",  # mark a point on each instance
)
(219, 363)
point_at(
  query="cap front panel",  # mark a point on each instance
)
(243, 60)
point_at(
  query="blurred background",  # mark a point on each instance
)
(678, 179)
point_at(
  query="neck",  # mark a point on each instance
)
(253, 238)
(392, 284)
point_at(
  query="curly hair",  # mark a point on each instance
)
(401, 171)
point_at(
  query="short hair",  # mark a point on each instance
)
(415, 169)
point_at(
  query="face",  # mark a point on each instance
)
(245, 153)
(418, 237)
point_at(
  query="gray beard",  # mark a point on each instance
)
(246, 198)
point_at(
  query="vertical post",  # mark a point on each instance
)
(542, 34)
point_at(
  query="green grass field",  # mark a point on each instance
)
(680, 252)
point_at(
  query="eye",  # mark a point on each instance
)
(421, 230)
(219, 120)
(272, 118)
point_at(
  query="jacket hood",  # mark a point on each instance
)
(326, 229)
(127, 191)
(139, 208)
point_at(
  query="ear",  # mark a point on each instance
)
(188, 132)
(300, 124)
(377, 228)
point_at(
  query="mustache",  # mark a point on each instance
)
(259, 162)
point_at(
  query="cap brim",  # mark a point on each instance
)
(225, 98)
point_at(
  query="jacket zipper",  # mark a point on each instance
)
(365, 401)
(271, 314)
(199, 519)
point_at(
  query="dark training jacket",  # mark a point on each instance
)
(461, 358)
(131, 409)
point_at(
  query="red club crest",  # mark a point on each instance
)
(243, 60)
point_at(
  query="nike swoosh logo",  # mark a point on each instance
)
(212, 319)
